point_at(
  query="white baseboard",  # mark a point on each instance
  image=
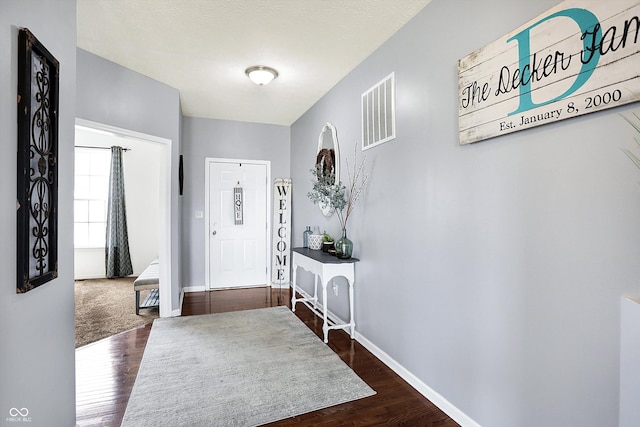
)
(280, 285)
(434, 397)
(98, 277)
(447, 407)
(89, 277)
(203, 288)
(194, 288)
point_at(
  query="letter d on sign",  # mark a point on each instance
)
(586, 21)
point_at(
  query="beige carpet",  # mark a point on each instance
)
(105, 307)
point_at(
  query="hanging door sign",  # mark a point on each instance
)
(280, 268)
(237, 205)
(579, 57)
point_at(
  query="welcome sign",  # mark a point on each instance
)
(280, 269)
(577, 58)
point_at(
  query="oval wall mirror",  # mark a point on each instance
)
(328, 158)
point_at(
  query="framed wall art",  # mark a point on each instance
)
(577, 58)
(37, 183)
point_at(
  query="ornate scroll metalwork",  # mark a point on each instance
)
(37, 217)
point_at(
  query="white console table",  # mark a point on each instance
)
(324, 267)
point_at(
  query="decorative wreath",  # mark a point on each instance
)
(326, 159)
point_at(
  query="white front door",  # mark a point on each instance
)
(237, 218)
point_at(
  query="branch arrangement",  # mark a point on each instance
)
(327, 192)
(355, 188)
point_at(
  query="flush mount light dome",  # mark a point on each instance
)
(261, 75)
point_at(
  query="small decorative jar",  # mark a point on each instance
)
(315, 241)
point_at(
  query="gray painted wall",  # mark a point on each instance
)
(110, 94)
(37, 328)
(493, 272)
(629, 356)
(220, 139)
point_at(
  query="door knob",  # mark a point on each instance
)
(214, 232)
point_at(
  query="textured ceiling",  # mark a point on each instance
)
(202, 47)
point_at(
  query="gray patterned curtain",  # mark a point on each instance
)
(117, 257)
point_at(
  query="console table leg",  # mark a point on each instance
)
(351, 320)
(293, 293)
(315, 291)
(325, 324)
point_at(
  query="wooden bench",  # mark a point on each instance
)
(149, 279)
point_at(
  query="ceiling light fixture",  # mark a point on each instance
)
(261, 75)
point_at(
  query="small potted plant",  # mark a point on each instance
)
(327, 242)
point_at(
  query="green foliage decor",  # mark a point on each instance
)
(326, 192)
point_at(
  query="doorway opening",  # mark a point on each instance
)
(156, 233)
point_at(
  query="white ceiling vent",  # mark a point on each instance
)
(379, 113)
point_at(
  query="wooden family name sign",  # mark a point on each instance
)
(579, 57)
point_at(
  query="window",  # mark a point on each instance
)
(90, 196)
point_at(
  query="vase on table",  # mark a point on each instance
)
(305, 237)
(344, 246)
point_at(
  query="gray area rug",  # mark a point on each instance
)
(227, 370)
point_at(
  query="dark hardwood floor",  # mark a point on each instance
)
(106, 371)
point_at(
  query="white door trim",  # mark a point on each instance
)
(164, 218)
(207, 162)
